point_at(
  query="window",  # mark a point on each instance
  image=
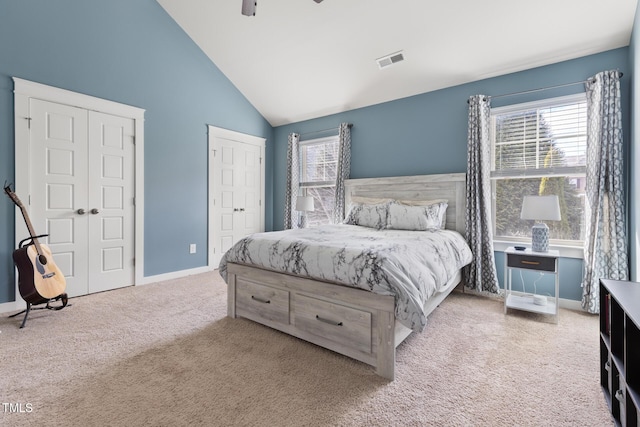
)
(318, 173)
(539, 149)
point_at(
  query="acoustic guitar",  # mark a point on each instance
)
(39, 278)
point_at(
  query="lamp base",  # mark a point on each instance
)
(540, 237)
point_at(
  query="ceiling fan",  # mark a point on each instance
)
(249, 7)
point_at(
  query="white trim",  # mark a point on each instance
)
(319, 141)
(216, 132)
(23, 91)
(175, 275)
(567, 99)
(6, 307)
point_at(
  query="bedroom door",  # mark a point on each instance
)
(236, 177)
(82, 167)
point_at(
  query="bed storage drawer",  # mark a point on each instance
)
(256, 302)
(338, 323)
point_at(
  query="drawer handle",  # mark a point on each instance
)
(264, 301)
(620, 395)
(331, 322)
(607, 366)
(530, 262)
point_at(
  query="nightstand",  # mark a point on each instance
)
(546, 262)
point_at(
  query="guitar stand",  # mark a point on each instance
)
(62, 297)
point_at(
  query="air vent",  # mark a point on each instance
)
(391, 59)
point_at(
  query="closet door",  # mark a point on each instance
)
(59, 187)
(110, 207)
(82, 167)
(236, 190)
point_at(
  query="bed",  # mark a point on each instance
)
(365, 323)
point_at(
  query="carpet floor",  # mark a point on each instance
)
(165, 354)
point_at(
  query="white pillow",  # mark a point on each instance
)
(419, 218)
(373, 216)
(425, 203)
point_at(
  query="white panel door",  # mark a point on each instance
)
(82, 168)
(236, 193)
(59, 187)
(111, 205)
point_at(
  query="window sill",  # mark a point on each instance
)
(565, 251)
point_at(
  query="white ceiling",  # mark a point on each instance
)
(297, 60)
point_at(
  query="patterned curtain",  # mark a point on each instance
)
(605, 249)
(344, 168)
(293, 182)
(481, 274)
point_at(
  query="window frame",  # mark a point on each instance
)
(567, 248)
(304, 185)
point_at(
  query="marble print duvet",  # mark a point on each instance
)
(411, 265)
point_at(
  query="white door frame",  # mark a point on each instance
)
(216, 132)
(23, 91)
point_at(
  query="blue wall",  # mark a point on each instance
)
(132, 52)
(427, 133)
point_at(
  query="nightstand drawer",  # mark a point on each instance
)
(531, 262)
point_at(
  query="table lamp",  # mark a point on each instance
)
(304, 204)
(540, 208)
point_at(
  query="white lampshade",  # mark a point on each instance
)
(304, 203)
(540, 208)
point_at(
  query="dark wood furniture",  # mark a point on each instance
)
(620, 349)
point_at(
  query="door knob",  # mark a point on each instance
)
(81, 211)
(236, 209)
(94, 211)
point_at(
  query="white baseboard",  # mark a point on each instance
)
(175, 275)
(6, 307)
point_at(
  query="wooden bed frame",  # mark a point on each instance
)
(353, 322)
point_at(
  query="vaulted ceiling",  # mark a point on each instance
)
(298, 59)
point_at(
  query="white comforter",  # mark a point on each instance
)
(411, 265)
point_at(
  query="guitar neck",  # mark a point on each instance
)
(32, 233)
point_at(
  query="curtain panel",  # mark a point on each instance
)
(344, 169)
(293, 182)
(605, 249)
(480, 275)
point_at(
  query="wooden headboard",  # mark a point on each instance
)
(451, 187)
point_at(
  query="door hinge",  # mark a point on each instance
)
(134, 261)
(259, 202)
(134, 201)
(133, 139)
(214, 152)
(260, 160)
(28, 122)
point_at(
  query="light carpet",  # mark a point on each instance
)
(165, 354)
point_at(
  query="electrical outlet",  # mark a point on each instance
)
(192, 248)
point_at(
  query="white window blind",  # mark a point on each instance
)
(319, 162)
(541, 141)
(318, 174)
(539, 149)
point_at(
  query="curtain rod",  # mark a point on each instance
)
(324, 130)
(541, 89)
